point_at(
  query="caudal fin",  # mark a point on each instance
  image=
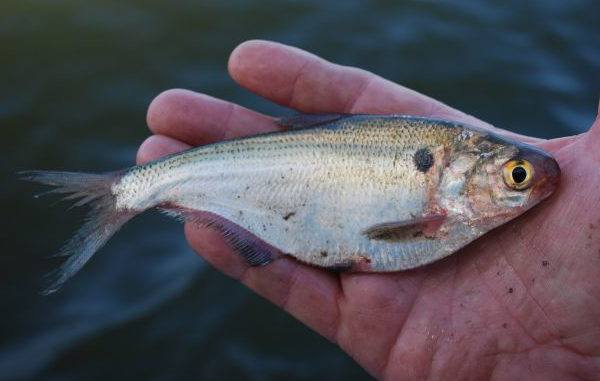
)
(102, 221)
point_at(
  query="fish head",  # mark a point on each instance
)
(508, 178)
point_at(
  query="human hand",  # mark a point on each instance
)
(522, 302)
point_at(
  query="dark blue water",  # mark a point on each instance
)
(75, 80)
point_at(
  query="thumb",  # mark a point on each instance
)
(592, 137)
(594, 131)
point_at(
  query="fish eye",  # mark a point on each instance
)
(517, 174)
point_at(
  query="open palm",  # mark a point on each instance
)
(522, 302)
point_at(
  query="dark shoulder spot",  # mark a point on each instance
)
(289, 215)
(423, 159)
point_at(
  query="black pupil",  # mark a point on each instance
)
(519, 174)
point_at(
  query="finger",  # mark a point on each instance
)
(295, 78)
(307, 293)
(196, 118)
(298, 79)
(157, 146)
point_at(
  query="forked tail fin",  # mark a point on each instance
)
(102, 221)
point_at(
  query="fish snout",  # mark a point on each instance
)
(546, 170)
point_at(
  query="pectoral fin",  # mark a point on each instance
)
(300, 121)
(426, 226)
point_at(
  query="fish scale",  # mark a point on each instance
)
(360, 192)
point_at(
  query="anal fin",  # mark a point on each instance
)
(255, 251)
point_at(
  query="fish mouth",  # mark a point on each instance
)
(547, 172)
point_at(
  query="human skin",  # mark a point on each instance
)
(522, 302)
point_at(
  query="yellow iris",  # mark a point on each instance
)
(518, 174)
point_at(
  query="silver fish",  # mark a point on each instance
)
(355, 192)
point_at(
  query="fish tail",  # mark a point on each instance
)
(101, 222)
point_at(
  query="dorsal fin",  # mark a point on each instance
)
(301, 121)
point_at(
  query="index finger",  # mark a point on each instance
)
(295, 78)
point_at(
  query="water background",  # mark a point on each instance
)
(75, 81)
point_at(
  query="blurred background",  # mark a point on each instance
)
(76, 78)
